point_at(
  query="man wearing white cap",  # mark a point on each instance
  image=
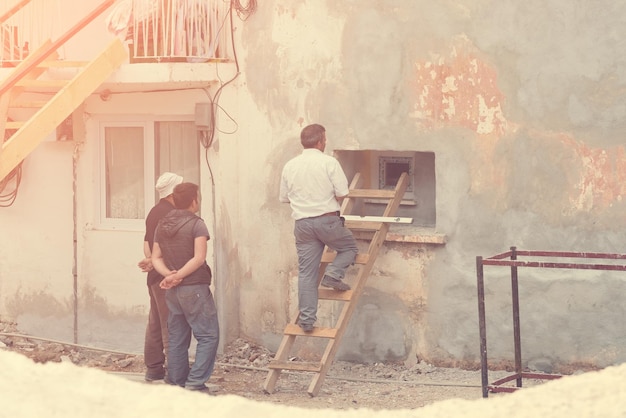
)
(156, 340)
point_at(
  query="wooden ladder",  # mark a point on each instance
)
(364, 262)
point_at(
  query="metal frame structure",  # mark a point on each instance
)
(510, 259)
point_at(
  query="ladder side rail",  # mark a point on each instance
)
(347, 205)
(400, 189)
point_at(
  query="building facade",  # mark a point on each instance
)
(508, 118)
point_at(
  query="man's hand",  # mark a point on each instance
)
(145, 265)
(171, 280)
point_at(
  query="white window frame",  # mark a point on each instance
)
(146, 122)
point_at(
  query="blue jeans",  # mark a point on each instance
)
(192, 310)
(312, 234)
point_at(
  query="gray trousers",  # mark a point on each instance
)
(312, 234)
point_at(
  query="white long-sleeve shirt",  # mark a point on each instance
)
(311, 183)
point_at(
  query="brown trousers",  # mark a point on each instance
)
(156, 342)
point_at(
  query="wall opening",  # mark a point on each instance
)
(382, 169)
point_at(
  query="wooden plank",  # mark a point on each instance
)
(347, 204)
(25, 140)
(329, 256)
(372, 193)
(36, 84)
(281, 355)
(388, 219)
(325, 293)
(363, 225)
(293, 329)
(4, 113)
(295, 366)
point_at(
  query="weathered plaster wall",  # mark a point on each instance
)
(522, 104)
(35, 261)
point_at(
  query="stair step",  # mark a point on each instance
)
(361, 258)
(34, 104)
(331, 294)
(293, 329)
(70, 96)
(295, 365)
(14, 124)
(63, 64)
(57, 84)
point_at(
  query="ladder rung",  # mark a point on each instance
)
(372, 193)
(363, 226)
(330, 294)
(295, 365)
(327, 257)
(293, 329)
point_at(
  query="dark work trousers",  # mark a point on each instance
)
(156, 342)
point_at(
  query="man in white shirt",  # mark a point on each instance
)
(314, 184)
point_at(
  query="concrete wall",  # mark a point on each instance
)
(522, 104)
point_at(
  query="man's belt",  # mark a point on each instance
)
(335, 213)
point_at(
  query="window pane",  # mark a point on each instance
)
(124, 172)
(177, 150)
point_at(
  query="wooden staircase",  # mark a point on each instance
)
(364, 262)
(20, 136)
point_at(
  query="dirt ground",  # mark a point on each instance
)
(241, 371)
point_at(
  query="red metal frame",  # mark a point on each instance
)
(509, 258)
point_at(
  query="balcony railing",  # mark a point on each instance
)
(155, 30)
(175, 30)
(25, 25)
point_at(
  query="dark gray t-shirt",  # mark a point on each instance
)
(176, 234)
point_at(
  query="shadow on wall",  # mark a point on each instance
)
(377, 331)
(42, 315)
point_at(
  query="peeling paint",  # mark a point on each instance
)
(602, 179)
(459, 90)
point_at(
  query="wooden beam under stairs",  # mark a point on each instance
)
(71, 93)
(364, 264)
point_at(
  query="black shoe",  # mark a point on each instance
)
(306, 327)
(328, 281)
(153, 377)
(201, 389)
